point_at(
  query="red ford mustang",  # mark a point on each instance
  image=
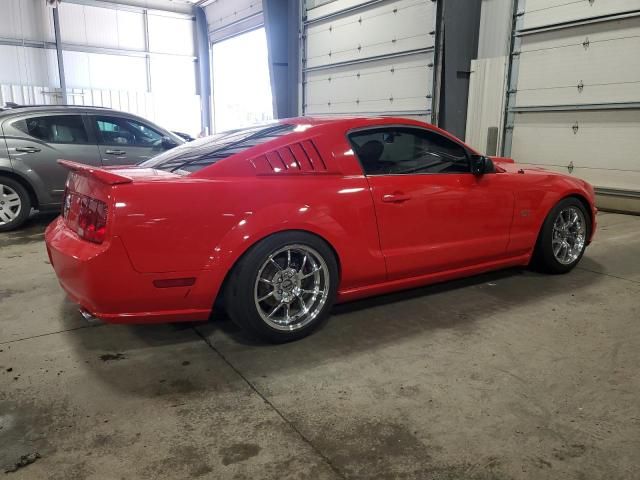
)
(280, 221)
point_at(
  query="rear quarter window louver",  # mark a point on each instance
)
(296, 158)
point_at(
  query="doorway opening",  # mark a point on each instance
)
(241, 83)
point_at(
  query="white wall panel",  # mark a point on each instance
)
(26, 19)
(29, 94)
(28, 66)
(369, 59)
(101, 27)
(486, 100)
(539, 13)
(94, 70)
(495, 28)
(602, 58)
(603, 149)
(169, 34)
(398, 84)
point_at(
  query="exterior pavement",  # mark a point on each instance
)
(509, 375)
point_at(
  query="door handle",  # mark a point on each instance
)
(27, 149)
(396, 197)
(115, 152)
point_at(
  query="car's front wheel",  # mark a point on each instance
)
(563, 238)
(15, 204)
(283, 287)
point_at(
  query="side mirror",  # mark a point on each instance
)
(168, 143)
(481, 164)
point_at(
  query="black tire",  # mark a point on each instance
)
(241, 290)
(544, 258)
(24, 208)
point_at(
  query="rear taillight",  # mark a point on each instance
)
(92, 220)
(86, 216)
(66, 203)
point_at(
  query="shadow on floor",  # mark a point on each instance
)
(32, 230)
(459, 307)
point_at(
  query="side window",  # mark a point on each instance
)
(398, 151)
(54, 128)
(125, 131)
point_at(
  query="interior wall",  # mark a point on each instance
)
(488, 77)
(461, 32)
(26, 27)
(123, 50)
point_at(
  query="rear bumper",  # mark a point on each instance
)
(101, 279)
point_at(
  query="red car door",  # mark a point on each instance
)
(433, 214)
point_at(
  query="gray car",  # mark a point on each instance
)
(33, 138)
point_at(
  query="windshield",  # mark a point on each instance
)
(193, 156)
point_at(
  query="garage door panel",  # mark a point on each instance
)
(593, 141)
(374, 31)
(540, 13)
(373, 59)
(620, 93)
(581, 68)
(599, 177)
(388, 83)
(576, 35)
(574, 90)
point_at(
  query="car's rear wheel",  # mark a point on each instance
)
(15, 204)
(563, 238)
(283, 287)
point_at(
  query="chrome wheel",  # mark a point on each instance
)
(291, 288)
(10, 204)
(569, 235)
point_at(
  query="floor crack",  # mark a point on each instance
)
(273, 407)
(50, 333)
(607, 274)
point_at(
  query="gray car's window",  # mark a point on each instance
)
(398, 150)
(125, 131)
(54, 128)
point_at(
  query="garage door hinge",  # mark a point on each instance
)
(515, 54)
(585, 44)
(575, 127)
(580, 86)
(520, 13)
(509, 127)
(570, 167)
(512, 91)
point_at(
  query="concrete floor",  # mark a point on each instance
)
(512, 375)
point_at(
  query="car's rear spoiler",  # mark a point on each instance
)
(101, 174)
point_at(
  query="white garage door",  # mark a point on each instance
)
(574, 102)
(227, 18)
(371, 58)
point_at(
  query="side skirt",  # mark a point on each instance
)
(422, 280)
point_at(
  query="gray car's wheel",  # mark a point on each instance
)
(15, 204)
(563, 238)
(283, 287)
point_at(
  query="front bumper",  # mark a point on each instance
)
(101, 279)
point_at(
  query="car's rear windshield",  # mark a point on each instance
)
(193, 156)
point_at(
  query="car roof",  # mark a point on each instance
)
(20, 109)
